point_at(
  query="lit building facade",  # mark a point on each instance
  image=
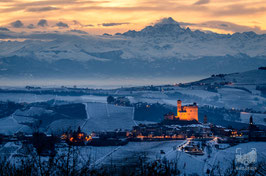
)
(188, 112)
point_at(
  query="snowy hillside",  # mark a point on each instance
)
(257, 76)
(258, 118)
(90, 116)
(163, 49)
(100, 117)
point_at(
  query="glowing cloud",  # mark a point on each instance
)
(112, 15)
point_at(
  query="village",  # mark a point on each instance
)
(184, 126)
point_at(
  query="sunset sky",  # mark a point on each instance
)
(111, 16)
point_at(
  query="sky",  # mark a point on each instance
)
(112, 16)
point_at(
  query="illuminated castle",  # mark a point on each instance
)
(188, 112)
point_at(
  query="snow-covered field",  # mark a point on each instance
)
(128, 154)
(106, 117)
(33, 111)
(100, 117)
(30, 98)
(199, 93)
(240, 99)
(190, 164)
(9, 126)
(259, 119)
(131, 154)
(119, 155)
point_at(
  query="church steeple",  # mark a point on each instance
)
(205, 119)
(179, 107)
(251, 120)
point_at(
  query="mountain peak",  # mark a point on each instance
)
(166, 21)
(163, 27)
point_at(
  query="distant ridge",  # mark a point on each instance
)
(161, 49)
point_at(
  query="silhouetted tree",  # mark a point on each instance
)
(110, 99)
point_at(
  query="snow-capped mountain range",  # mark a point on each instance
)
(164, 48)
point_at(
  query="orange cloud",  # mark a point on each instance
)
(136, 14)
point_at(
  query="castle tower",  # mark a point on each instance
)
(179, 104)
